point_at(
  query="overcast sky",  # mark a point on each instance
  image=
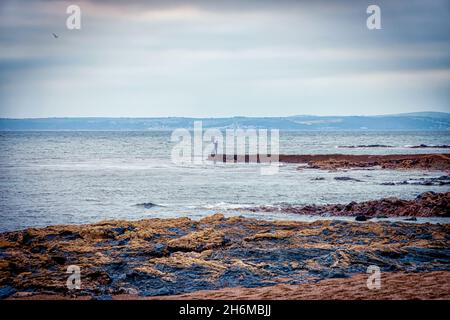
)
(223, 58)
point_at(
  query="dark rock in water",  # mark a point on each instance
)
(443, 146)
(438, 181)
(366, 161)
(346, 179)
(411, 219)
(146, 205)
(427, 195)
(367, 146)
(382, 217)
(428, 204)
(318, 179)
(361, 218)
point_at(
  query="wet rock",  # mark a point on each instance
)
(146, 205)
(6, 291)
(361, 218)
(185, 255)
(346, 179)
(27, 237)
(103, 297)
(442, 146)
(349, 206)
(59, 259)
(427, 204)
(438, 181)
(69, 235)
(367, 146)
(438, 161)
(160, 248)
(99, 276)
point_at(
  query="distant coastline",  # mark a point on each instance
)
(420, 121)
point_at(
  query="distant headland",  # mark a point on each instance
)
(422, 121)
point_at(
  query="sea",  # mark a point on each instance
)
(78, 177)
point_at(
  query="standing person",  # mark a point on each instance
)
(216, 143)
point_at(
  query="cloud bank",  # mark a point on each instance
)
(223, 58)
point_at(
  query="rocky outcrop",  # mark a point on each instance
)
(146, 205)
(348, 161)
(366, 146)
(437, 146)
(420, 146)
(437, 181)
(346, 179)
(427, 204)
(155, 257)
(394, 162)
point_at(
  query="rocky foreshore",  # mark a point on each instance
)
(437, 161)
(161, 257)
(394, 285)
(427, 204)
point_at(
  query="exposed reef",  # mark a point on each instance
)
(146, 205)
(347, 161)
(437, 146)
(155, 257)
(366, 146)
(420, 146)
(427, 204)
(438, 181)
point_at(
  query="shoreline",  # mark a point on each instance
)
(168, 257)
(396, 286)
(426, 204)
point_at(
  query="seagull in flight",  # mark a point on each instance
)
(55, 35)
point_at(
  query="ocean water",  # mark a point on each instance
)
(66, 177)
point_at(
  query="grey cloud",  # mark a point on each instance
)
(193, 57)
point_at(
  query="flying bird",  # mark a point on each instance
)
(55, 35)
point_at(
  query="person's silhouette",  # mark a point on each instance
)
(216, 143)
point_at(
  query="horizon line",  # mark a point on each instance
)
(221, 117)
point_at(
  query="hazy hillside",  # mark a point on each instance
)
(410, 121)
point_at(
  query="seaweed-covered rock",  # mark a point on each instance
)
(427, 204)
(173, 256)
